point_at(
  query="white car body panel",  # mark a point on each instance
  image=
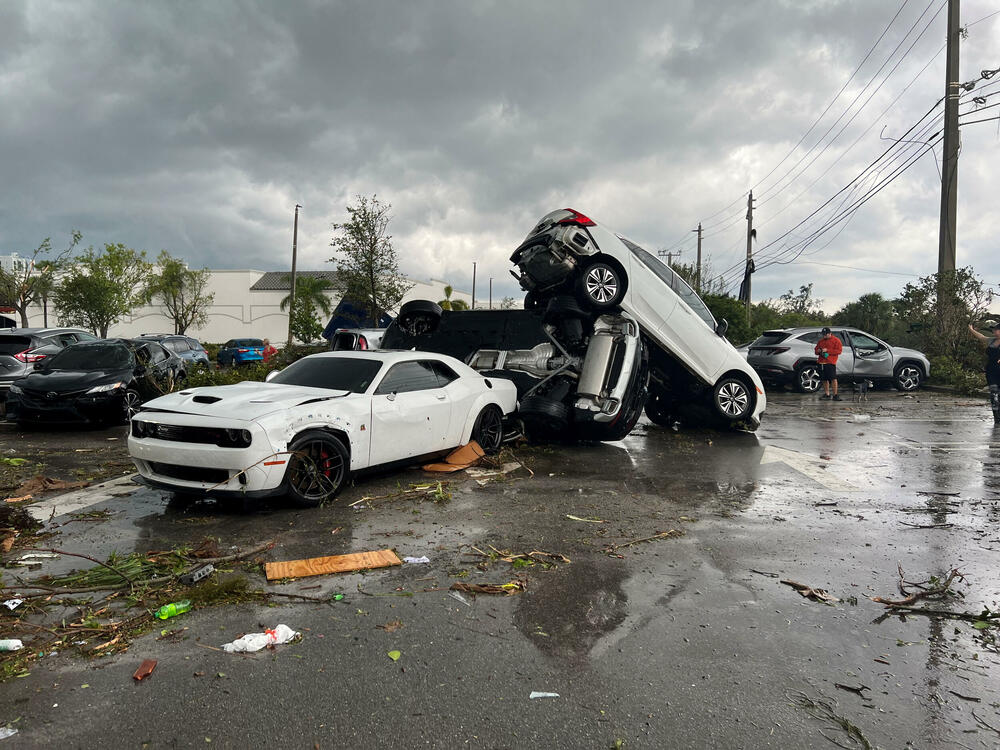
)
(378, 427)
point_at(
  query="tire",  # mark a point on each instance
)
(543, 416)
(131, 402)
(531, 302)
(567, 317)
(419, 316)
(317, 469)
(488, 429)
(601, 285)
(807, 379)
(659, 410)
(732, 399)
(908, 377)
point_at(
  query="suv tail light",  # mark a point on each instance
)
(773, 349)
(27, 357)
(578, 219)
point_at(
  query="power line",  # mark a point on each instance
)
(853, 268)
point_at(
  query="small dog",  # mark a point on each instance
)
(861, 389)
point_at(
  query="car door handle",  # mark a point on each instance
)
(442, 397)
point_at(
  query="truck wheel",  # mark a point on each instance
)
(419, 316)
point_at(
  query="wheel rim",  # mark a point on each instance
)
(909, 378)
(315, 471)
(131, 404)
(809, 380)
(733, 399)
(602, 285)
(490, 430)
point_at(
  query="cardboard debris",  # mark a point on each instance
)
(47, 484)
(145, 669)
(458, 459)
(317, 566)
(19, 499)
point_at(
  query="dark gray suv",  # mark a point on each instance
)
(788, 356)
(21, 348)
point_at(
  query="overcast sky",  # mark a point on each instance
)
(196, 127)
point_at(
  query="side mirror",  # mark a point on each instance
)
(270, 376)
(721, 327)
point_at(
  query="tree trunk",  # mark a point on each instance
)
(23, 311)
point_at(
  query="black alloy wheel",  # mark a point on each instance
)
(131, 401)
(660, 409)
(317, 468)
(488, 429)
(601, 285)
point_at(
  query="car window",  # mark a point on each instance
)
(770, 338)
(861, 341)
(91, 356)
(812, 337)
(177, 345)
(194, 345)
(158, 353)
(409, 376)
(444, 373)
(674, 281)
(337, 373)
(229, 344)
(81, 336)
(13, 344)
(63, 339)
(249, 343)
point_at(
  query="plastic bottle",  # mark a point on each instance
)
(174, 608)
(11, 644)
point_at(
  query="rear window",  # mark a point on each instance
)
(10, 344)
(336, 373)
(242, 343)
(770, 338)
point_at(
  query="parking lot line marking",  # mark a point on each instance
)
(803, 463)
(77, 500)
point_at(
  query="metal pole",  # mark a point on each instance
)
(491, 292)
(749, 248)
(291, 297)
(473, 285)
(698, 271)
(949, 166)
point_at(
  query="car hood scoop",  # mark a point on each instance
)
(247, 400)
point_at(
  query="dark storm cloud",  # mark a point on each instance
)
(196, 127)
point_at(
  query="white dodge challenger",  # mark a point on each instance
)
(305, 430)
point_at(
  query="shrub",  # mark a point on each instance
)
(946, 370)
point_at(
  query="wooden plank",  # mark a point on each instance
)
(317, 566)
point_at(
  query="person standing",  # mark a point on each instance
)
(992, 366)
(269, 351)
(828, 348)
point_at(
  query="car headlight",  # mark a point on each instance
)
(139, 429)
(237, 438)
(106, 387)
(15, 389)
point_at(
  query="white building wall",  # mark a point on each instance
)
(236, 311)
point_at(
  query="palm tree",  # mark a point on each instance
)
(309, 290)
(452, 304)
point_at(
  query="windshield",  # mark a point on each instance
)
(674, 281)
(336, 373)
(92, 355)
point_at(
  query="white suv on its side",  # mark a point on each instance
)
(567, 253)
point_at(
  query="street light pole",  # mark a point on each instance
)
(473, 285)
(491, 292)
(291, 297)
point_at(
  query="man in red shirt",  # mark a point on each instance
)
(828, 348)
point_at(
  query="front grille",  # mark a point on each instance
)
(187, 434)
(190, 473)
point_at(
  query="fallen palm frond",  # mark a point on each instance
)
(437, 491)
(501, 589)
(823, 710)
(509, 557)
(670, 534)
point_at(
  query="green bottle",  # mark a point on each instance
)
(174, 608)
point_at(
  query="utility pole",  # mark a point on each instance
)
(473, 286)
(949, 166)
(749, 251)
(697, 275)
(291, 298)
(669, 256)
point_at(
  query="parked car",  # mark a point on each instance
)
(185, 347)
(567, 255)
(240, 352)
(356, 339)
(787, 356)
(102, 381)
(21, 348)
(311, 425)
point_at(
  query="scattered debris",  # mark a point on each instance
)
(972, 698)
(823, 711)
(436, 491)
(824, 505)
(394, 655)
(13, 461)
(145, 669)
(13, 604)
(256, 641)
(928, 525)
(585, 520)
(535, 694)
(17, 519)
(485, 476)
(934, 492)
(458, 459)
(416, 560)
(19, 499)
(315, 566)
(852, 689)
(819, 595)
(764, 573)
(173, 609)
(189, 579)
(523, 559)
(670, 534)
(459, 597)
(11, 644)
(391, 627)
(47, 484)
(501, 589)
(6, 732)
(933, 588)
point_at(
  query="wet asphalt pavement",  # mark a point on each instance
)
(680, 642)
